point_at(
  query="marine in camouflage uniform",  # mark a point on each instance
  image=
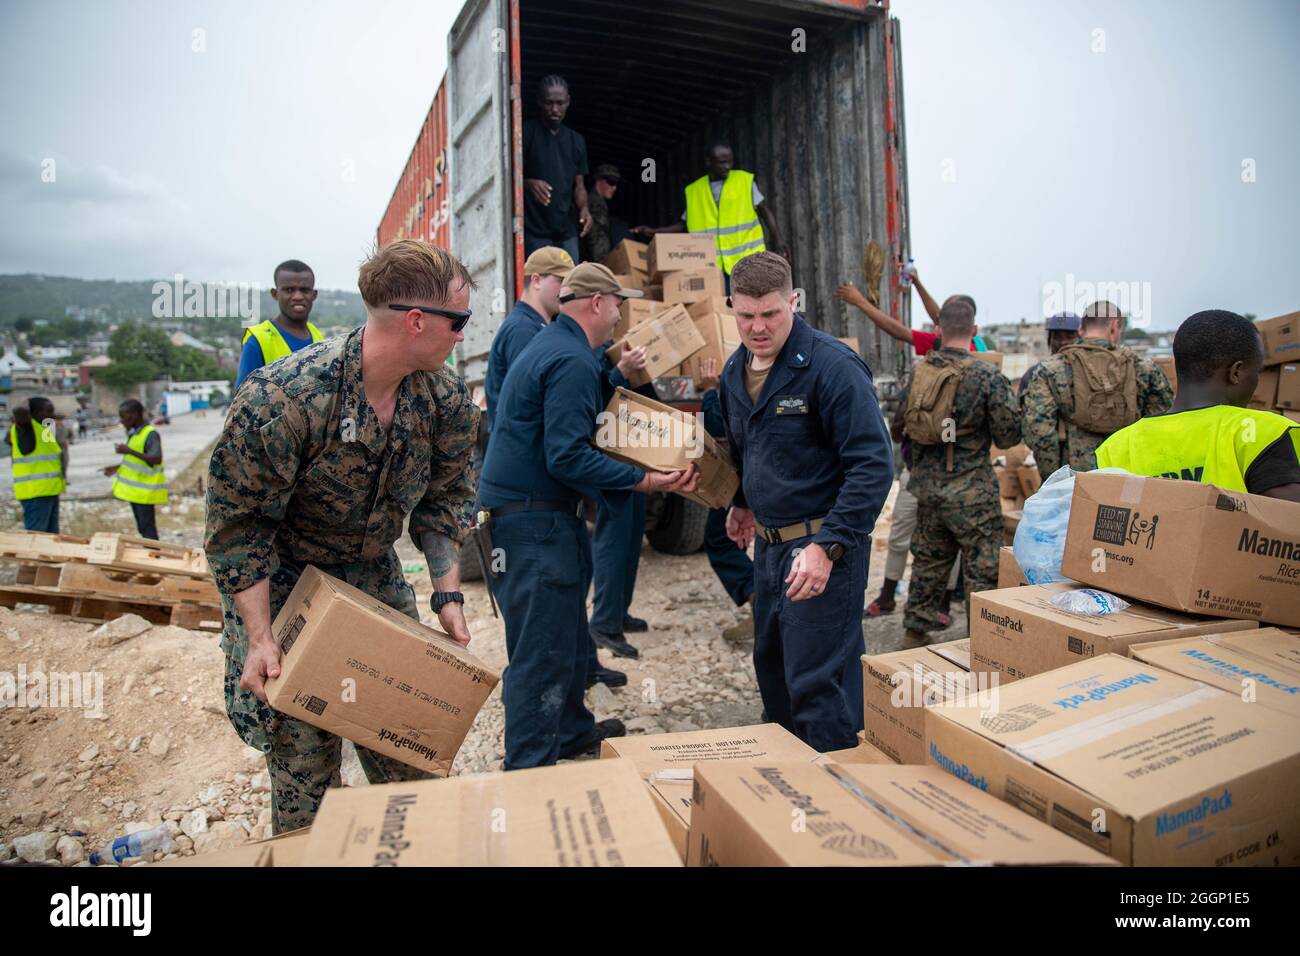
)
(959, 510)
(598, 241)
(1049, 396)
(304, 473)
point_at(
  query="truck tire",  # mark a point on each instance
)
(680, 529)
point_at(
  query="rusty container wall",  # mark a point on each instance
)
(420, 205)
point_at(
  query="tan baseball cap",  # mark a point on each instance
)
(548, 261)
(591, 278)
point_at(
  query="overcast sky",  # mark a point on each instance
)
(1099, 140)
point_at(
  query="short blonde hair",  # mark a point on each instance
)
(410, 269)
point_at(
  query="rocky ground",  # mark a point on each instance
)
(162, 753)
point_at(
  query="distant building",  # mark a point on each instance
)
(87, 368)
(183, 339)
(12, 362)
(48, 353)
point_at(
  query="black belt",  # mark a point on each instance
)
(567, 507)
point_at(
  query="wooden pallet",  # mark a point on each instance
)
(91, 579)
(82, 607)
(105, 548)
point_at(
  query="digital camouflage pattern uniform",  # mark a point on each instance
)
(302, 474)
(597, 241)
(959, 510)
(1049, 395)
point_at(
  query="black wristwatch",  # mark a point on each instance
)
(440, 599)
(834, 551)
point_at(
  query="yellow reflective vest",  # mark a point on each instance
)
(40, 474)
(1216, 445)
(733, 220)
(272, 341)
(137, 481)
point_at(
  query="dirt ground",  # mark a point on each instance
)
(162, 749)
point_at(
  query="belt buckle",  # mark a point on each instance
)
(772, 535)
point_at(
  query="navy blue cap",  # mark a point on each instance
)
(1063, 322)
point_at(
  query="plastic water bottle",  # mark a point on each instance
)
(905, 276)
(143, 843)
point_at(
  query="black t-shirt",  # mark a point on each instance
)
(1275, 465)
(558, 158)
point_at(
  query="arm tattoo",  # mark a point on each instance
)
(441, 553)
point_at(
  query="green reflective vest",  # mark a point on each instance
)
(137, 481)
(1216, 445)
(272, 340)
(733, 221)
(40, 474)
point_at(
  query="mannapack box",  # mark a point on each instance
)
(1261, 665)
(693, 285)
(589, 813)
(896, 689)
(356, 667)
(628, 256)
(1142, 764)
(674, 251)
(800, 814)
(669, 339)
(1186, 545)
(1281, 338)
(641, 431)
(666, 762)
(1018, 632)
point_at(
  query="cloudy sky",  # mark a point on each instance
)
(1050, 144)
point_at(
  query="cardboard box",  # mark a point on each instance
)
(1166, 364)
(1281, 338)
(1017, 632)
(666, 762)
(692, 285)
(1186, 545)
(673, 251)
(993, 358)
(1261, 665)
(1266, 391)
(798, 814)
(896, 689)
(1010, 522)
(1012, 458)
(1008, 481)
(650, 434)
(631, 280)
(1146, 766)
(356, 667)
(1288, 386)
(710, 304)
(1029, 479)
(669, 339)
(1009, 573)
(629, 256)
(635, 311)
(862, 753)
(721, 338)
(852, 343)
(587, 813)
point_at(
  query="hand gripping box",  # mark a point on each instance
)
(1144, 765)
(356, 667)
(588, 813)
(1186, 545)
(669, 339)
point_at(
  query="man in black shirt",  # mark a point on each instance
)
(555, 160)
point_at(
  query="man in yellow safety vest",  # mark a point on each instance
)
(1210, 434)
(727, 203)
(40, 464)
(139, 479)
(268, 341)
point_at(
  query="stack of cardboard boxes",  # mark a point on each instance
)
(1018, 478)
(1279, 382)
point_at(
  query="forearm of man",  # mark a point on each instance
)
(254, 607)
(580, 194)
(1289, 492)
(443, 555)
(886, 322)
(931, 307)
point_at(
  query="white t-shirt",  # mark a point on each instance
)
(715, 186)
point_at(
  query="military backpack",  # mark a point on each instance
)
(929, 417)
(1105, 387)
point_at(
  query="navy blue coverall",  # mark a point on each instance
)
(732, 565)
(541, 455)
(516, 331)
(814, 445)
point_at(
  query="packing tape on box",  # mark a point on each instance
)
(1058, 742)
(482, 825)
(1131, 492)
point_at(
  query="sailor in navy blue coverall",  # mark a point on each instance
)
(815, 464)
(540, 463)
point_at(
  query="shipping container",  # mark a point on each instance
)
(807, 92)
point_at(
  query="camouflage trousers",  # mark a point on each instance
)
(944, 528)
(303, 760)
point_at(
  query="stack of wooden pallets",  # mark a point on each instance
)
(108, 575)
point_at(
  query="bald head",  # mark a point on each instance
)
(1104, 320)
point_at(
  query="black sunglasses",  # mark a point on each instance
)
(458, 319)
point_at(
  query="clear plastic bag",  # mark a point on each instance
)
(1040, 537)
(1089, 602)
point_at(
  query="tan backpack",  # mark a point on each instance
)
(930, 401)
(1105, 387)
